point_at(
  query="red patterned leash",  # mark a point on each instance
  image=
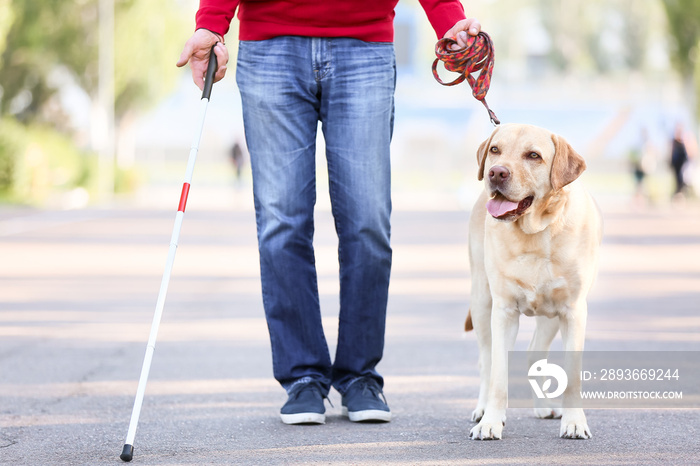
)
(477, 55)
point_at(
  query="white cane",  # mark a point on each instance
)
(128, 451)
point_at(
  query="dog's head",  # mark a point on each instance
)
(524, 166)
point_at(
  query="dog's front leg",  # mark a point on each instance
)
(504, 329)
(573, 329)
(482, 325)
(545, 330)
(481, 306)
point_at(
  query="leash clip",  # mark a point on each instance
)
(494, 119)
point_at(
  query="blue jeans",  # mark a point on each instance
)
(288, 84)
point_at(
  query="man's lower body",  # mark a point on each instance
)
(680, 181)
(288, 84)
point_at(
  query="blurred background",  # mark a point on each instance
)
(93, 109)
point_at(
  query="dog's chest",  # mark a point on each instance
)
(535, 286)
(540, 291)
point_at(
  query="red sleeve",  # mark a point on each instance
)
(216, 15)
(443, 14)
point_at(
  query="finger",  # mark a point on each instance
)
(221, 54)
(224, 50)
(220, 73)
(198, 81)
(474, 27)
(222, 60)
(198, 75)
(461, 39)
(185, 55)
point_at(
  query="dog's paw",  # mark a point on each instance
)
(488, 429)
(548, 413)
(477, 414)
(575, 427)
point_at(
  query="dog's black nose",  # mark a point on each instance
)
(498, 174)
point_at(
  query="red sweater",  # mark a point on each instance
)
(368, 20)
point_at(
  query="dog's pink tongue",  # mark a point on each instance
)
(500, 207)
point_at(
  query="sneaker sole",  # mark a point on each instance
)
(367, 415)
(303, 418)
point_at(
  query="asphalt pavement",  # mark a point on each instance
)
(77, 294)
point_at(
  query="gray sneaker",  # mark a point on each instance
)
(364, 401)
(304, 405)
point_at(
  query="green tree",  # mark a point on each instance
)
(42, 36)
(598, 35)
(42, 42)
(684, 30)
(6, 19)
(48, 34)
(148, 39)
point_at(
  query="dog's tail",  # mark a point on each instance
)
(468, 326)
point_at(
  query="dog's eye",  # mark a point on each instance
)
(494, 150)
(534, 155)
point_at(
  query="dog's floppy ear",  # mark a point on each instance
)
(567, 164)
(481, 154)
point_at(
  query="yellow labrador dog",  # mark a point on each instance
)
(533, 241)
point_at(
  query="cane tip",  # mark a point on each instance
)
(127, 453)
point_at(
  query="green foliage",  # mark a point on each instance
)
(148, 39)
(7, 17)
(37, 162)
(47, 34)
(684, 30)
(581, 32)
(40, 37)
(11, 145)
(44, 35)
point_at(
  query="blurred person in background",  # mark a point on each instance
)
(237, 161)
(642, 160)
(683, 150)
(300, 63)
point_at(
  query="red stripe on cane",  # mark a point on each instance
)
(183, 197)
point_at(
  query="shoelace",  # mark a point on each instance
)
(477, 55)
(371, 386)
(314, 385)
